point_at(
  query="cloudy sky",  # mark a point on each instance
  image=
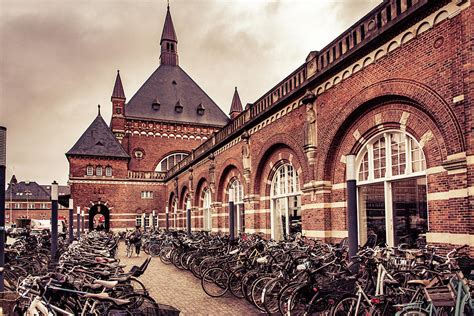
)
(58, 60)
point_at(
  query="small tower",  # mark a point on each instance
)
(236, 106)
(169, 43)
(118, 109)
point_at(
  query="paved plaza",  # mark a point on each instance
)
(170, 286)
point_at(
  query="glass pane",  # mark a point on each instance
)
(295, 214)
(410, 210)
(279, 219)
(372, 214)
(164, 166)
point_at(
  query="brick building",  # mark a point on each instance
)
(28, 199)
(388, 102)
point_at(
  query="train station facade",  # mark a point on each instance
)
(388, 101)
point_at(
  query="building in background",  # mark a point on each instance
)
(394, 92)
(28, 199)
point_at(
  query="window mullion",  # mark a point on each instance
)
(370, 151)
(408, 157)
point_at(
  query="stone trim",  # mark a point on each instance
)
(449, 238)
(325, 233)
(451, 194)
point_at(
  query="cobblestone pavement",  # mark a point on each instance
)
(170, 286)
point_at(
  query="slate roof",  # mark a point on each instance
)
(118, 88)
(172, 85)
(236, 105)
(98, 140)
(169, 33)
(62, 189)
(25, 190)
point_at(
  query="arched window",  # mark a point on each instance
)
(206, 209)
(146, 220)
(391, 178)
(90, 170)
(169, 161)
(98, 171)
(238, 195)
(108, 171)
(285, 198)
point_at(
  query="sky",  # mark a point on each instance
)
(59, 58)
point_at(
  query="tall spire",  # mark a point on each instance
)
(236, 105)
(169, 42)
(118, 88)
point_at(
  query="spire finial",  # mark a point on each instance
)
(168, 5)
(98, 109)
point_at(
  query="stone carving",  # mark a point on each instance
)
(310, 125)
(190, 182)
(246, 151)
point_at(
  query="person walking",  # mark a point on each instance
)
(137, 240)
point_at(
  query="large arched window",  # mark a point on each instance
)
(206, 209)
(285, 198)
(391, 178)
(238, 196)
(169, 161)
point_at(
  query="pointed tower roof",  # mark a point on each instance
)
(236, 105)
(168, 29)
(98, 140)
(118, 88)
(13, 180)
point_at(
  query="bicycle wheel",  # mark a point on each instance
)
(414, 312)
(284, 296)
(247, 281)
(257, 291)
(271, 293)
(215, 282)
(347, 306)
(155, 249)
(165, 255)
(235, 282)
(140, 304)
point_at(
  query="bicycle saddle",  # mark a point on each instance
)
(106, 297)
(419, 282)
(107, 284)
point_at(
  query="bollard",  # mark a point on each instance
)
(352, 205)
(188, 217)
(54, 221)
(167, 219)
(83, 226)
(78, 223)
(3, 167)
(71, 219)
(231, 215)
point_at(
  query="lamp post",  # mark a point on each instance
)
(153, 214)
(351, 204)
(231, 215)
(188, 216)
(28, 194)
(3, 166)
(71, 219)
(167, 214)
(78, 222)
(54, 221)
(83, 223)
(11, 184)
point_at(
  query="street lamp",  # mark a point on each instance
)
(27, 194)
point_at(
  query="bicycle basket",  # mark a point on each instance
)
(441, 296)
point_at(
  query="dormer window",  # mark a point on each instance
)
(156, 104)
(178, 107)
(98, 171)
(200, 109)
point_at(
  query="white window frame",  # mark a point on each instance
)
(174, 207)
(388, 179)
(238, 192)
(147, 195)
(89, 171)
(207, 210)
(108, 171)
(171, 161)
(98, 171)
(283, 186)
(138, 220)
(146, 220)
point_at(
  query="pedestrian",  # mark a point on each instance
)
(137, 240)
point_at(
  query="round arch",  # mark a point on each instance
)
(96, 211)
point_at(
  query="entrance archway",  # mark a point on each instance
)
(95, 213)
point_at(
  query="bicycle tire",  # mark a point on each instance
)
(215, 282)
(346, 306)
